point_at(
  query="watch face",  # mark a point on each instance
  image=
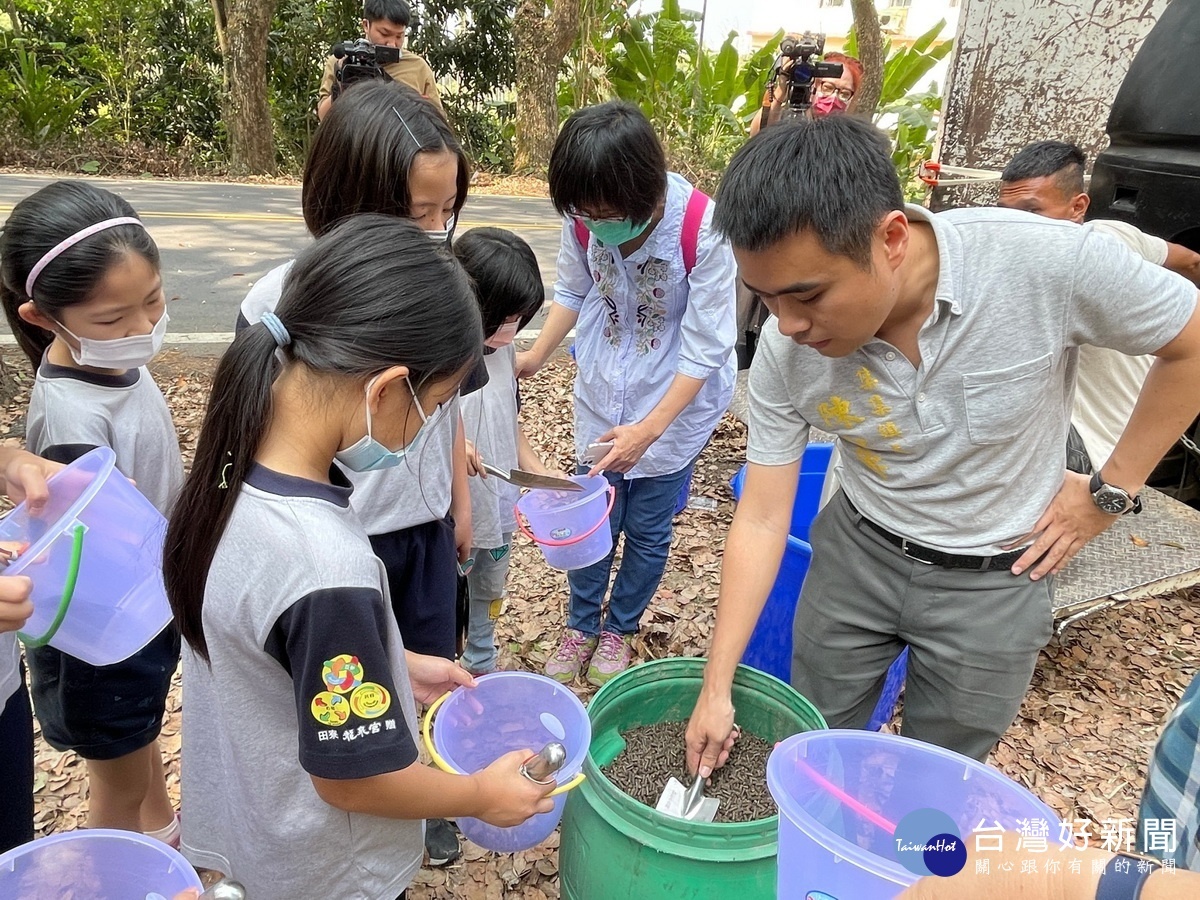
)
(1111, 501)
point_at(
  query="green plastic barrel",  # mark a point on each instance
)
(615, 848)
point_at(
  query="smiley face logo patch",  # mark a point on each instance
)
(330, 709)
(342, 674)
(370, 701)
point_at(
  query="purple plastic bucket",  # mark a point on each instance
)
(841, 794)
(509, 711)
(94, 556)
(96, 863)
(570, 527)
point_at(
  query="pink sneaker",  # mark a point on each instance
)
(611, 658)
(571, 656)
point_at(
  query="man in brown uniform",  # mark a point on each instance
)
(385, 22)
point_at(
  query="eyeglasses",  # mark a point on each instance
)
(828, 89)
(575, 213)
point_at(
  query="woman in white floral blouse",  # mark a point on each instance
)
(649, 286)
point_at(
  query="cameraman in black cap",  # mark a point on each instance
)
(385, 24)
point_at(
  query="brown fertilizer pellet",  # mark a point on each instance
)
(654, 753)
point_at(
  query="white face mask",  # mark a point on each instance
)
(119, 353)
(442, 235)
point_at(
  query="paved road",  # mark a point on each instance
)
(218, 238)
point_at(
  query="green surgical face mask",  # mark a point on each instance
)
(613, 233)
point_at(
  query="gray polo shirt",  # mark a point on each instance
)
(307, 677)
(72, 411)
(964, 453)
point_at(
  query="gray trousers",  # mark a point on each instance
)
(973, 636)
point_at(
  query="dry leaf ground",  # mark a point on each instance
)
(1099, 695)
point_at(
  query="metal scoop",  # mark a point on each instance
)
(225, 889)
(529, 480)
(687, 803)
(540, 769)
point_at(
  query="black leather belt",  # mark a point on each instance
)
(932, 557)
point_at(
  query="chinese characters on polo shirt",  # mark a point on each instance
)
(332, 642)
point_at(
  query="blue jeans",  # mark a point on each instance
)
(642, 511)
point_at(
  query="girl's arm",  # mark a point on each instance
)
(24, 477)
(527, 458)
(460, 495)
(499, 795)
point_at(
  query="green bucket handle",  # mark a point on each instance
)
(68, 593)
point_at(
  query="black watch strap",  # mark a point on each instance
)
(1124, 877)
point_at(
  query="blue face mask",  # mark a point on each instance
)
(367, 454)
(614, 232)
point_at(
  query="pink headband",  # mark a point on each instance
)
(57, 250)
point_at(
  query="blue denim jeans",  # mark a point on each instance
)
(642, 511)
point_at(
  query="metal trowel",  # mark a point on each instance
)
(687, 803)
(529, 480)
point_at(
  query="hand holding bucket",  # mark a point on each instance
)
(507, 712)
(94, 555)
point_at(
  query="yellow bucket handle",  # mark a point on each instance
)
(441, 763)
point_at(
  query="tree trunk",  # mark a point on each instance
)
(242, 29)
(870, 54)
(541, 39)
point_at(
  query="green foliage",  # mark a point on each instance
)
(469, 44)
(45, 99)
(909, 117)
(701, 102)
(302, 34)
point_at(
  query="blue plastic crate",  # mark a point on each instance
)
(813, 466)
(770, 646)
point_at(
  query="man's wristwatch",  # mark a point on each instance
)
(1125, 875)
(1111, 499)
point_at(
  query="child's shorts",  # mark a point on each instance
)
(103, 712)
(422, 572)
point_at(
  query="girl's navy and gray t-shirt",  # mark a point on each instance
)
(307, 677)
(72, 411)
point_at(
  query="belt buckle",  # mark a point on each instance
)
(905, 549)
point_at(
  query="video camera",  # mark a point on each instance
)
(805, 52)
(362, 60)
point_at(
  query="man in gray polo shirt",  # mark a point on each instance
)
(940, 349)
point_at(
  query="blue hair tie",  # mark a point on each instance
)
(277, 329)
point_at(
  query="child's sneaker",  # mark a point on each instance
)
(441, 842)
(571, 656)
(611, 658)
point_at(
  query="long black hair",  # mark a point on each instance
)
(38, 224)
(362, 153)
(505, 270)
(371, 294)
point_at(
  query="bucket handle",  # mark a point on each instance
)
(441, 763)
(575, 539)
(68, 593)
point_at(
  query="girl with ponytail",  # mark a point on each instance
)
(300, 769)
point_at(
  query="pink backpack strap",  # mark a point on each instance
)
(693, 215)
(581, 234)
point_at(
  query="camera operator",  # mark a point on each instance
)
(385, 24)
(829, 95)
